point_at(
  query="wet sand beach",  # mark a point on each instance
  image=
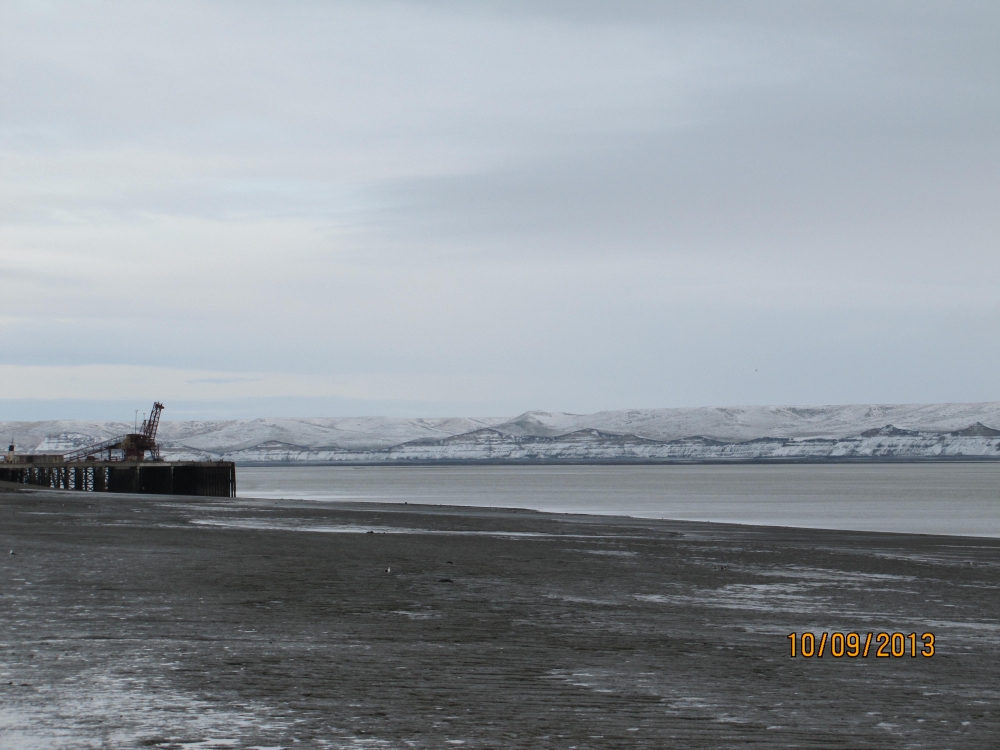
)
(132, 621)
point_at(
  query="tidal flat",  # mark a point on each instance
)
(162, 622)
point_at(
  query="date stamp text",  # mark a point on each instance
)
(853, 645)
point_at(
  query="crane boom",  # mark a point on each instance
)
(152, 423)
(133, 446)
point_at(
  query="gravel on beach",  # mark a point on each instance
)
(165, 622)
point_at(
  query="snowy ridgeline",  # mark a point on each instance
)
(696, 434)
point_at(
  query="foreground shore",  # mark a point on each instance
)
(132, 621)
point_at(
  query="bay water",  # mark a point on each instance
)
(924, 498)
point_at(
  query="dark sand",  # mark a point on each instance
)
(129, 622)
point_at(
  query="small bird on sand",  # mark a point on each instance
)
(12, 552)
(388, 570)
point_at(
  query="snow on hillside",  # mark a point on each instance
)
(919, 430)
(217, 437)
(740, 423)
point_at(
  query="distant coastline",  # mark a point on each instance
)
(751, 434)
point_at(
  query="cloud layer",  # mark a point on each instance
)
(490, 207)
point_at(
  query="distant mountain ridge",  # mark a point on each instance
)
(686, 434)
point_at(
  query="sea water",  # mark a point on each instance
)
(923, 498)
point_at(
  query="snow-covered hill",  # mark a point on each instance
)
(740, 423)
(729, 433)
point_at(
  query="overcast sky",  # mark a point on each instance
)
(480, 208)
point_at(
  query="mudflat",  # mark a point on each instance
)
(138, 621)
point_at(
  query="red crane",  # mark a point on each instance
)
(136, 444)
(133, 445)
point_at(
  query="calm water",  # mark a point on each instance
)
(944, 498)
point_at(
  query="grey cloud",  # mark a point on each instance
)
(734, 185)
(223, 381)
(522, 188)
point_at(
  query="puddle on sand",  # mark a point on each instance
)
(358, 529)
(789, 598)
(102, 708)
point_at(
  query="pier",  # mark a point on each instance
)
(126, 463)
(202, 478)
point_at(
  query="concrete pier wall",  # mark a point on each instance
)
(201, 478)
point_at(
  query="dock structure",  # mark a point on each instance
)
(204, 478)
(121, 465)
